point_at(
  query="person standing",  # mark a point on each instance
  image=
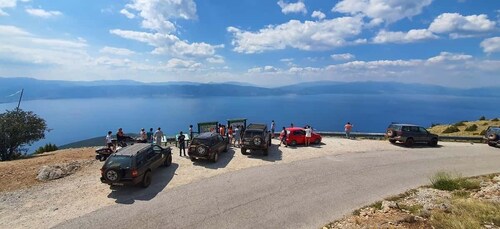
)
(291, 125)
(230, 134)
(237, 136)
(190, 132)
(149, 135)
(273, 126)
(283, 135)
(348, 128)
(120, 137)
(308, 135)
(143, 136)
(109, 140)
(182, 143)
(158, 136)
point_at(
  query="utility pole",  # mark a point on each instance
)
(20, 98)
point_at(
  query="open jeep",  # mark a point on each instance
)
(256, 137)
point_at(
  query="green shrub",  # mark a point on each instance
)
(461, 123)
(482, 118)
(451, 129)
(473, 127)
(467, 213)
(495, 119)
(444, 181)
(483, 132)
(434, 124)
(377, 205)
(47, 148)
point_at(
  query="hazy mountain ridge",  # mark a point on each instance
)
(58, 89)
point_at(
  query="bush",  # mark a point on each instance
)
(482, 118)
(495, 119)
(47, 148)
(483, 132)
(461, 123)
(447, 182)
(451, 129)
(434, 124)
(473, 127)
(467, 213)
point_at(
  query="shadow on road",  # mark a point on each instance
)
(275, 154)
(320, 145)
(416, 145)
(224, 159)
(129, 194)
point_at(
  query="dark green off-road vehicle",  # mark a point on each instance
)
(256, 137)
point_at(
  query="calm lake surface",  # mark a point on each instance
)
(77, 119)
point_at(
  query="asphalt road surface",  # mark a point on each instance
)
(301, 194)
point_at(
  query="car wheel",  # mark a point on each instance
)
(492, 144)
(317, 141)
(192, 158)
(146, 180)
(433, 142)
(390, 133)
(112, 175)
(270, 141)
(293, 143)
(168, 161)
(244, 151)
(226, 148)
(392, 141)
(409, 142)
(215, 158)
(98, 157)
(492, 137)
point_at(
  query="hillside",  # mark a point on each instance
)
(482, 125)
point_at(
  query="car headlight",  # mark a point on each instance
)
(257, 141)
(201, 150)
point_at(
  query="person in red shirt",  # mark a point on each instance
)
(348, 128)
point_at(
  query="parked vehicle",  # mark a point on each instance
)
(297, 136)
(208, 145)
(134, 164)
(492, 136)
(256, 137)
(410, 134)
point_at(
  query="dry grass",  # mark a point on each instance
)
(467, 213)
(481, 125)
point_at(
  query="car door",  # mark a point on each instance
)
(220, 143)
(299, 136)
(419, 133)
(155, 156)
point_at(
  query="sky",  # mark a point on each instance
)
(453, 43)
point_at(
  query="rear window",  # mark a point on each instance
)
(394, 127)
(119, 161)
(201, 141)
(251, 134)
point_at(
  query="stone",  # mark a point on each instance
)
(52, 172)
(387, 205)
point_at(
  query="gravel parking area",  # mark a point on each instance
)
(43, 205)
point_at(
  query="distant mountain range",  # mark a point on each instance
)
(57, 89)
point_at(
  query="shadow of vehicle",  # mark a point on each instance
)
(416, 145)
(311, 145)
(224, 159)
(129, 194)
(275, 154)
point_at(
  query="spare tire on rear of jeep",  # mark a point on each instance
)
(112, 174)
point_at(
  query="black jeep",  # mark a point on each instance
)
(410, 134)
(134, 164)
(256, 137)
(492, 136)
(208, 145)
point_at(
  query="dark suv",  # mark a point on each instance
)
(410, 134)
(134, 164)
(208, 146)
(492, 136)
(256, 137)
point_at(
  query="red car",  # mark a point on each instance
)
(297, 136)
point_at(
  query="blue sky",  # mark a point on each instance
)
(269, 43)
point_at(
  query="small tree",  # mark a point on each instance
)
(17, 129)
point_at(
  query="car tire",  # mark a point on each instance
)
(226, 148)
(270, 141)
(492, 144)
(293, 143)
(492, 137)
(215, 157)
(168, 161)
(192, 158)
(409, 142)
(112, 175)
(244, 151)
(317, 141)
(392, 141)
(390, 133)
(146, 180)
(433, 142)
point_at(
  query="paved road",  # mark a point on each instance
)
(302, 194)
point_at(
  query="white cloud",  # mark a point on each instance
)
(12, 31)
(343, 56)
(454, 22)
(446, 56)
(8, 4)
(298, 7)
(265, 69)
(286, 60)
(216, 59)
(491, 45)
(127, 14)
(388, 11)
(182, 64)
(116, 51)
(318, 14)
(156, 14)
(413, 35)
(43, 13)
(309, 35)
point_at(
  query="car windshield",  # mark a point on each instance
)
(119, 161)
(201, 141)
(251, 134)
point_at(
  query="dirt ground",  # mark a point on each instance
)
(28, 203)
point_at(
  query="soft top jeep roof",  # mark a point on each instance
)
(256, 126)
(133, 149)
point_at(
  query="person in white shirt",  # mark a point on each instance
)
(109, 140)
(308, 135)
(144, 136)
(158, 136)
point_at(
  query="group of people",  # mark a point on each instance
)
(144, 137)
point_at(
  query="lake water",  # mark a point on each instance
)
(77, 119)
